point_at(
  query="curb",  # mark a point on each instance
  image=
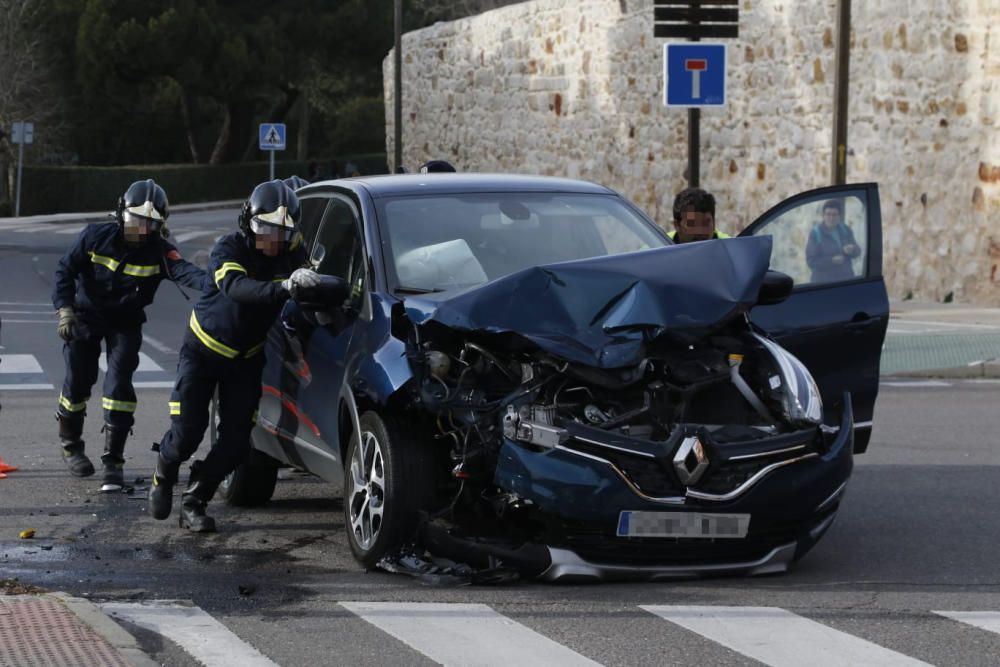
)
(113, 633)
(983, 369)
(61, 218)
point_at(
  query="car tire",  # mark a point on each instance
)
(252, 483)
(388, 480)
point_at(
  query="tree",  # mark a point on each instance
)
(28, 92)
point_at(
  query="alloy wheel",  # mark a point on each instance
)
(367, 490)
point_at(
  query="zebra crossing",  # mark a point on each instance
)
(477, 634)
(24, 372)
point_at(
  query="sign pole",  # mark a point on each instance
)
(20, 163)
(702, 65)
(397, 82)
(694, 147)
(838, 168)
(272, 165)
(694, 138)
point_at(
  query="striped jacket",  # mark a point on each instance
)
(101, 276)
(242, 296)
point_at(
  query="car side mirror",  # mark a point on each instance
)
(329, 294)
(775, 288)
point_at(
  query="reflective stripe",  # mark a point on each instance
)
(255, 349)
(211, 343)
(138, 270)
(256, 413)
(120, 406)
(719, 235)
(175, 407)
(72, 407)
(104, 261)
(141, 270)
(279, 279)
(226, 268)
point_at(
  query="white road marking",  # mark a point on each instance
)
(71, 230)
(916, 383)
(984, 620)
(205, 638)
(19, 363)
(164, 384)
(778, 637)
(949, 325)
(146, 364)
(26, 387)
(6, 321)
(157, 345)
(464, 634)
(26, 304)
(187, 236)
(25, 312)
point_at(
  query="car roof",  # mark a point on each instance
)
(441, 183)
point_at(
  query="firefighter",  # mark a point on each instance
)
(252, 272)
(102, 286)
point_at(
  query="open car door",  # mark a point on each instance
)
(829, 241)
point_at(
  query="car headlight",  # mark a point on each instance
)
(801, 401)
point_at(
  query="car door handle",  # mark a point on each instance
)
(860, 322)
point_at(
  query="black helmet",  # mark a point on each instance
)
(437, 166)
(144, 200)
(296, 182)
(271, 204)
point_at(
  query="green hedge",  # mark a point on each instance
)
(74, 189)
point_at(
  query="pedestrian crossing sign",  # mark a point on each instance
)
(272, 136)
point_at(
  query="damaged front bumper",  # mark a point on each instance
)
(581, 485)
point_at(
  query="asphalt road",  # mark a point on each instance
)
(917, 534)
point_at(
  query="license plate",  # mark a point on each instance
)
(682, 524)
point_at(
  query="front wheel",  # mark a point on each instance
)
(388, 479)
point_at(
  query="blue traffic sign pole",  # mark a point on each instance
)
(695, 77)
(271, 138)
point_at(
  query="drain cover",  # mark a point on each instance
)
(40, 632)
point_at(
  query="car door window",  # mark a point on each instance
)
(820, 241)
(338, 249)
(311, 213)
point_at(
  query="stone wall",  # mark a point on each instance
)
(574, 88)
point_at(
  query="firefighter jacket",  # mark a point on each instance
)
(104, 278)
(243, 296)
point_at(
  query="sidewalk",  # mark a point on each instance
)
(101, 216)
(939, 340)
(56, 630)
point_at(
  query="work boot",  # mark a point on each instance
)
(114, 458)
(70, 432)
(161, 492)
(194, 500)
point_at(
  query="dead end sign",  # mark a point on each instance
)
(694, 74)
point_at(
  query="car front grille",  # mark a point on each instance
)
(651, 476)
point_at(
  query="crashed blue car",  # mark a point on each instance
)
(526, 372)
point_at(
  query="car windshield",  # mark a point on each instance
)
(445, 242)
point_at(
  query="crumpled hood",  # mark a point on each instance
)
(601, 311)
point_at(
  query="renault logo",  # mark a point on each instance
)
(690, 461)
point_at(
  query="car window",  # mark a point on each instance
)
(311, 212)
(444, 242)
(820, 241)
(338, 249)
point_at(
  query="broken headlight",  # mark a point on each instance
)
(800, 399)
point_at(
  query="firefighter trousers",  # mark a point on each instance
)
(82, 354)
(200, 372)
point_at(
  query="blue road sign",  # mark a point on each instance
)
(694, 74)
(272, 136)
